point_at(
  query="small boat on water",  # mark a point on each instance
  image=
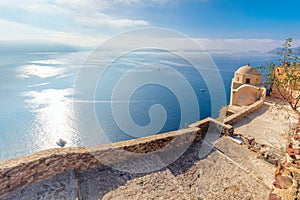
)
(61, 142)
(202, 90)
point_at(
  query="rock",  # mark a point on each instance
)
(274, 197)
(249, 138)
(282, 182)
(296, 136)
(297, 151)
(278, 169)
(291, 153)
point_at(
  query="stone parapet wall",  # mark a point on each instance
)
(239, 115)
(211, 123)
(20, 172)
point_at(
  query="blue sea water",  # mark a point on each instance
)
(39, 105)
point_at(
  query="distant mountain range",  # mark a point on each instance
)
(279, 49)
(35, 47)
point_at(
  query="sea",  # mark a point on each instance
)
(85, 101)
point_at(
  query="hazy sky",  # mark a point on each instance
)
(257, 24)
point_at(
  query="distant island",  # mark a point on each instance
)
(279, 49)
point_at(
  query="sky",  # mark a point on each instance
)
(239, 25)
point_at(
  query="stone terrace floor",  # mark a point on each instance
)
(230, 171)
(269, 125)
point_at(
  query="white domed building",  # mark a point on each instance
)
(246, 87)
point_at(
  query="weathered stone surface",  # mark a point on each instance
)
(296, 136)
(247, 160)
(292, 152)
(213, 177)
(287, 175)
(190, 177)
(282, 182)
(239, 115)
(219, 176)
(59, 187)
(209, 123)
(274, 197)
(19, 172)
(108, 183)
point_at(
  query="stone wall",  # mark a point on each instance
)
(239, 115)
(246, 95)
(287, 176)
(204, 124)
(20, 172)
(276, 94)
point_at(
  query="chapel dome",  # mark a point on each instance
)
(247, 69)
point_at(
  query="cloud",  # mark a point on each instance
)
(11, 30)
(18, 31)
(156, 38)
(76, 39)
(87, 23)
(75, 22)
(99, 20)
(72, 14)
(143, 3)
(131, 3)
